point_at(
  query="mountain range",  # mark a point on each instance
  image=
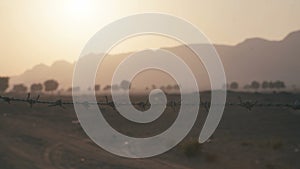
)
(253, 59)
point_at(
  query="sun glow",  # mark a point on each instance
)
(79, 9)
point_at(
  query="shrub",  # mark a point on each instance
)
(191, 148)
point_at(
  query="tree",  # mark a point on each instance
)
(115, 87)
(234, 86)
(176, 87)
(265, 85)
(255, 85)
(125, 85)
(19, 88)
(74, 89)
(153, 86)
(107, 87)
(69, 89)
(97, 87)
(271, 85)
(3, 84)
(36, 87)
(50, 85)
(169, 87)
(279, 85)
(163, 88)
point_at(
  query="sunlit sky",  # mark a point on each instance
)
(39, 31)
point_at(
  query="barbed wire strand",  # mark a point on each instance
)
(249, 105)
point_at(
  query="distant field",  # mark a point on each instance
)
(49, 138)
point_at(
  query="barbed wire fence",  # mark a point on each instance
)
(249, 105)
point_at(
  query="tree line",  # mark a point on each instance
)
(48, 86)
(255, 85)
(52, 85)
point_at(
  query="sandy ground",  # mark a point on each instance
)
(45, 137)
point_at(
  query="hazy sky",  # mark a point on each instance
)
(37, 31)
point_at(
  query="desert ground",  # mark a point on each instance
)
(45, 137)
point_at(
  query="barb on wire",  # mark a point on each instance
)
(142, 104)
(296, 105)
(173, 104)
(32, 101)
(7, 99)
(249, 105)
(86, 104)
(109, 103)
(58, 102)
(206, 105)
